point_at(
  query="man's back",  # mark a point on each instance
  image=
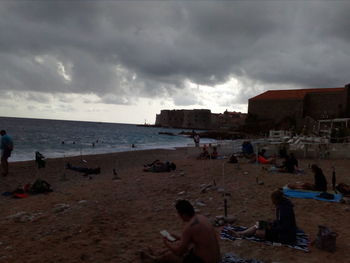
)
(204, 238)
(6, 142)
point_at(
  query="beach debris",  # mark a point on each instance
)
(60, 208)
(82, 201)
(245, 173)
(221, 190)
(181, 193)
(205, 187)
(23, 217)
(200, 203)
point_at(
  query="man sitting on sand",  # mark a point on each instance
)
(198, 243)
(215, 153)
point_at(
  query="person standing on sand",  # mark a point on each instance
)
(196, 139)
(6, 149)
(198, 244)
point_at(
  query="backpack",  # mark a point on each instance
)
(40, 186)
(326, 239)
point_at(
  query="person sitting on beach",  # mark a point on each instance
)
(282, 230)
(204, 154)
(158, 167)
(320, 183)
(215, 153)
(198, 243)
(290, 164)
(233, 159)
(248, 150)
(262, 159)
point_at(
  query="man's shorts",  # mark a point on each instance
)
(5, 153)
(192, 258)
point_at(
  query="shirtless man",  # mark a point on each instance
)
(198, 244)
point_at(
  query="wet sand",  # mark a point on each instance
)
(106, 220)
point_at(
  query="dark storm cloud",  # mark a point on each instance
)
(124, 50)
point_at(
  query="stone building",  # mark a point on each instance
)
(199, 119)
(191, 119)
(228, 120)
(292, 107)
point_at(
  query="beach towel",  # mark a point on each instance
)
(302, 242)
(274, 169)
(232, 258)
(299, 193)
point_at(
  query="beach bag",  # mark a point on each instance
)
(326, 195)
(326, 239)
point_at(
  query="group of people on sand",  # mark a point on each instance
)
(289, 164)
(158, 166)
(199, 242)
(205, 154)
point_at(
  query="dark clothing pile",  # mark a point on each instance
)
(159, 167)
(84, 170)
(283, 229)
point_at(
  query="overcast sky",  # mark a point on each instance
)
(124, 61)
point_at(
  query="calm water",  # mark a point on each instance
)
(46, 136)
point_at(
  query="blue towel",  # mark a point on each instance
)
(302, 242)
(297, 193)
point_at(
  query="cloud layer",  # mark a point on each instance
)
(120, 51)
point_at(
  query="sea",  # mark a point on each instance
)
(60, 138)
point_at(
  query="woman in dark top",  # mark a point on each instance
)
(320, 183)
(320, 179)
(282, 230)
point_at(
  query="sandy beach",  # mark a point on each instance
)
(106, 220)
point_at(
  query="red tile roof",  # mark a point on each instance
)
(292, 94)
